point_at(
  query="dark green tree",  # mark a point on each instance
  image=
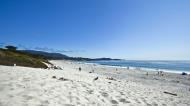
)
(9, 47)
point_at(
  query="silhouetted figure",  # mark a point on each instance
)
(183, 73)
(128, 68)
(80, 69)
(161, 73)
(146, 73)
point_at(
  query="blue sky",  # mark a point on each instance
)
(129, 29)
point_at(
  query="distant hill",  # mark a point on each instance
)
(55, 56)
(59, 56)
(11, 57)
(36, 59)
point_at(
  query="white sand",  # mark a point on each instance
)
(21, 86)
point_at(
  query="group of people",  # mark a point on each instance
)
(54, 67)
(80, 69)
(160, 73)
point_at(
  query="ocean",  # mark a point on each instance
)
(155, 65)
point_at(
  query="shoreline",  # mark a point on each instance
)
(141, 68)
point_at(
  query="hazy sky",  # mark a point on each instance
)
(130, 29)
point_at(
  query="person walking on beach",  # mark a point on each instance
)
(146, 73)
(80, 69)
(160, 73)
(127, 67)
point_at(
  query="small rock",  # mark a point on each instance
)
(54, 77)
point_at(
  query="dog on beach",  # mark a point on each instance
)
(95, 79)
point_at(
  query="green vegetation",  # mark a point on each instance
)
(9, 47)
(11, 56)
(31, 58)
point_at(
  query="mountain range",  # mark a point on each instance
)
(59, 56)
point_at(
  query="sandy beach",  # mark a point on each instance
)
(94, 85)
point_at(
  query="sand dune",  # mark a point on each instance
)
(21, 86)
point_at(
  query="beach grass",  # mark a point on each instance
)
(11, 57)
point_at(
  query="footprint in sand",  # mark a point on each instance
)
(45, 103)
(114, 102)
(145, 101)
(164, 105)
(154, 104)
(12, 89)
(137, 101)
(122, 93)
(42, 84)
(124, 100)
(68, 105)
(104, 94)
(9, 95)
(103, 100)
(27, 97)
(90, 91)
